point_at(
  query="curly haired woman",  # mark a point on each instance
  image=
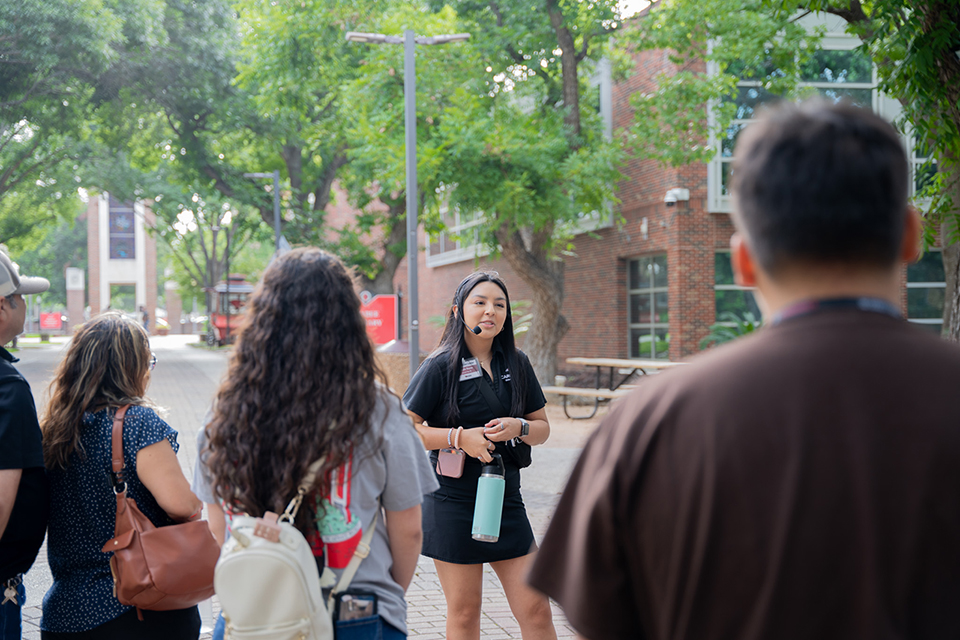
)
(303, 385)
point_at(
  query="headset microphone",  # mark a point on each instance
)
(476, 330)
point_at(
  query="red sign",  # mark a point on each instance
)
(380, 312)
(50, 320)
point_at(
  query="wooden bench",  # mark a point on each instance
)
(597, 394)
(612, 391)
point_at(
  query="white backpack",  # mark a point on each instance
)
(267, 579)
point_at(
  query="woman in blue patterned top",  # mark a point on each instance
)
(106, 366)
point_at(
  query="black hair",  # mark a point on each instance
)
(821, 182)
(453, 347)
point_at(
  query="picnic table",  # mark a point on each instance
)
(613, 389)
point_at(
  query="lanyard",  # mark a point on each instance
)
(807, 307)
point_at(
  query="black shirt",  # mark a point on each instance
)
(427, 393)
(21, 448)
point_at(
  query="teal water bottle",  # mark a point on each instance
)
(489, 506)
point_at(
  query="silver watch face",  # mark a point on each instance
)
(524, 427)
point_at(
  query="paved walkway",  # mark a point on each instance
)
(184, 382)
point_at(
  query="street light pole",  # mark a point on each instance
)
(276, 204)
(410, 126)
(409, 42)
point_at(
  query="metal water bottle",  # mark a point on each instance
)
(489, 505)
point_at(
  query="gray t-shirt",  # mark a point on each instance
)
(395, 470)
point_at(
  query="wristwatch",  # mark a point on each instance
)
(524, 427)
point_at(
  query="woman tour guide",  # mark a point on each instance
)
(453, 410)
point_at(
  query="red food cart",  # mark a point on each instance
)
(229, 299)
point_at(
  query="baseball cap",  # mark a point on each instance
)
(11, 282)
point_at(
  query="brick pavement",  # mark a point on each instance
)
(184, 382)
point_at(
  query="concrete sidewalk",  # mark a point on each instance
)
(185, 381)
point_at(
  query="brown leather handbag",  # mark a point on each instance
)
(156, 568)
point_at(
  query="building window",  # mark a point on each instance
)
(926, 289)
(460, 239)
(648, 308)
(730, 297)
(923, 167)
(122, 231)
(834, 74)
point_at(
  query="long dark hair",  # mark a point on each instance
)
(453, 347)
(107, 365)
(301, 385)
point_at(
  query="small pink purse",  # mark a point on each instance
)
(450, 460)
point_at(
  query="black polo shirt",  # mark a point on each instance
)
(21, 448)
(427, 393)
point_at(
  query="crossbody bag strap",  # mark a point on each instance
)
(116, 447)
(493, 400)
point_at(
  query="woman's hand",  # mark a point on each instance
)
(502, 429)
(473, 442)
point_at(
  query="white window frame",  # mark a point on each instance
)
(652, 291)
(468, 247)
(717, 202)
(725, 287)
(927, 285)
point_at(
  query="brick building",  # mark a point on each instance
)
(653, 286)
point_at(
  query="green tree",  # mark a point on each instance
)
(912, 44)
(51, 55)
(916, 48)
(520, 144)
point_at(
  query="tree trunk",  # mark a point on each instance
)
(395, 237)
(951, 256)
(526, 252)
(568, 66)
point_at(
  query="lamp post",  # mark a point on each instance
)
(276, 204)
(409, 42)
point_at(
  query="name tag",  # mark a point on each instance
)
(469, 369)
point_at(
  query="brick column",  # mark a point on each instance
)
(75, 298)
(174, 306)
(93, 253)
(150, 245)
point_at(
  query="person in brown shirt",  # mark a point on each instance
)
(803, 482)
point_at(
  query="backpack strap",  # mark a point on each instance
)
(290, 513)
(361, 552)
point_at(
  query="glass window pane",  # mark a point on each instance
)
(726, 170)
(659, 268)
(722, 270)
(861, 97)
(641, 343)
(837, 66)
(925, 303)
(924, 175)
(661, 343)
(661, 308)
(749, 99)
(737, 303)
(639, 273)
(928, 269)
(641, 308)
(728, 140)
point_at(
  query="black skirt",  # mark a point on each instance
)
(448, 519)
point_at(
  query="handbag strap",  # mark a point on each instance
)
(493, 400)
(116, 448)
